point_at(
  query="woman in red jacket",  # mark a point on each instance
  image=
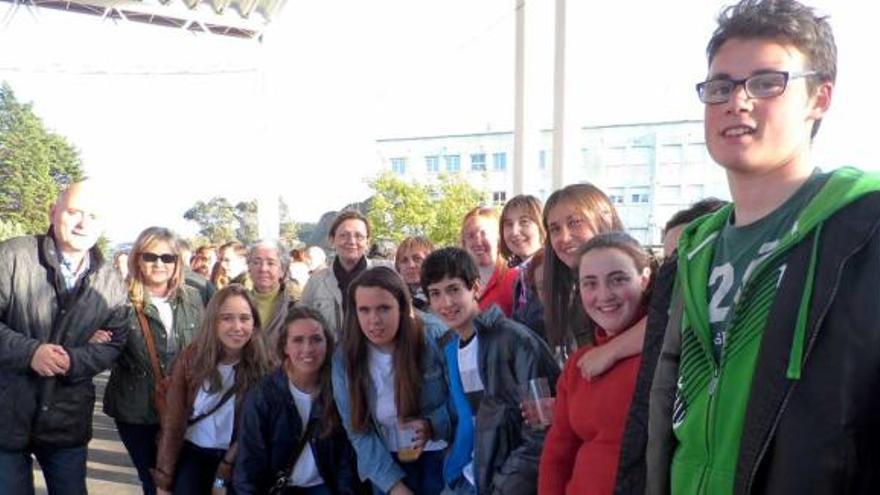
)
(582, 448)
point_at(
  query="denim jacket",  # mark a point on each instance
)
(375, 461)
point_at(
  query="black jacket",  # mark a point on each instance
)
(631, 468)
(36, 308)
(818, 434)
(270, 430)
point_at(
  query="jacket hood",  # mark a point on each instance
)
(843, 186)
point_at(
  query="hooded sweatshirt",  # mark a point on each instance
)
(716, 370)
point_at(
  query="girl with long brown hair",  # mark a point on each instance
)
(572, 216)
(196, 442)
(290, 423)
(389, 387)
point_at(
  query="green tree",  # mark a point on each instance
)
(288, 228)
(220, 221)
(34, 164)
(455, 197)
(9, 229)
(248, 230)
(216, 218)
(399, 209)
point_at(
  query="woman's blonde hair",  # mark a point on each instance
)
(147, 238)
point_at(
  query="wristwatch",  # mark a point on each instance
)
(219, 483)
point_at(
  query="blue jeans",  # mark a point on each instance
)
(140, 442)
(423, 476)
(196, 469)
(64, 470)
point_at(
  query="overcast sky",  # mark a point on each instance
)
(167, 117)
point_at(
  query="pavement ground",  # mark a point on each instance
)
(110, 471)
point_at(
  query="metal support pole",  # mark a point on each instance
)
(519, 100)
(559, 96)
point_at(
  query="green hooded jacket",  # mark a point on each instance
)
(710, 404)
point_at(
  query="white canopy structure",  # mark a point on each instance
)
(238, 18)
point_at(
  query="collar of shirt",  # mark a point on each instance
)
(71, 273)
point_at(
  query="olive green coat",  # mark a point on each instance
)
(129, 394)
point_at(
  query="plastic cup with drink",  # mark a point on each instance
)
(537, 403)
(406, 443)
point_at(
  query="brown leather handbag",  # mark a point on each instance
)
(161, 382)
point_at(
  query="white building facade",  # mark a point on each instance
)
(649, 170)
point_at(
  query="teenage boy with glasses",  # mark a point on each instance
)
(767, 378)
(56, 292)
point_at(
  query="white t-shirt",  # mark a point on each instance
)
(305, 471)
(166, 316)
(215, 431)
(381, 368)
(381, 365)
(469, 371)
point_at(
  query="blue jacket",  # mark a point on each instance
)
(270, 430)
(375, 461)
(505, 451)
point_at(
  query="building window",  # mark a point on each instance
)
(432, 163)
(542, 160)
(671, 153)
(453, 163)
(499, 161)
(398, 165)
(639, 155)
(615, 195)
(639, 197)
(499, 197)
(478, 162)
(614, 156)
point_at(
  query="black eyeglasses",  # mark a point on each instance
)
(763, 85)
(153, 257)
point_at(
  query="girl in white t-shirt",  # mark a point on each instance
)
(389, 388)
(293, 408)
(197, 438)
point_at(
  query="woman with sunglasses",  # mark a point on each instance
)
(165, 315)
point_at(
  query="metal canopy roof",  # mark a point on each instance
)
(239, 18)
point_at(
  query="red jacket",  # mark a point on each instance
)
(582, 448)
(499, 290)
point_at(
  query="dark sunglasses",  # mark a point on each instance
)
(153, 257)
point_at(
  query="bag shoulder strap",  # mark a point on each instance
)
(300, 445)
(151, 345)
(223, 400)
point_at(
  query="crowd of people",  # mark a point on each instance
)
(547, 352)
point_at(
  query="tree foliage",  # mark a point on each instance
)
(34, 164)
(220, 221)
(399, 209)
(9, 229)
(216, 219)
(288, 229)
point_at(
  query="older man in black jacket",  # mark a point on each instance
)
(56, 293)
